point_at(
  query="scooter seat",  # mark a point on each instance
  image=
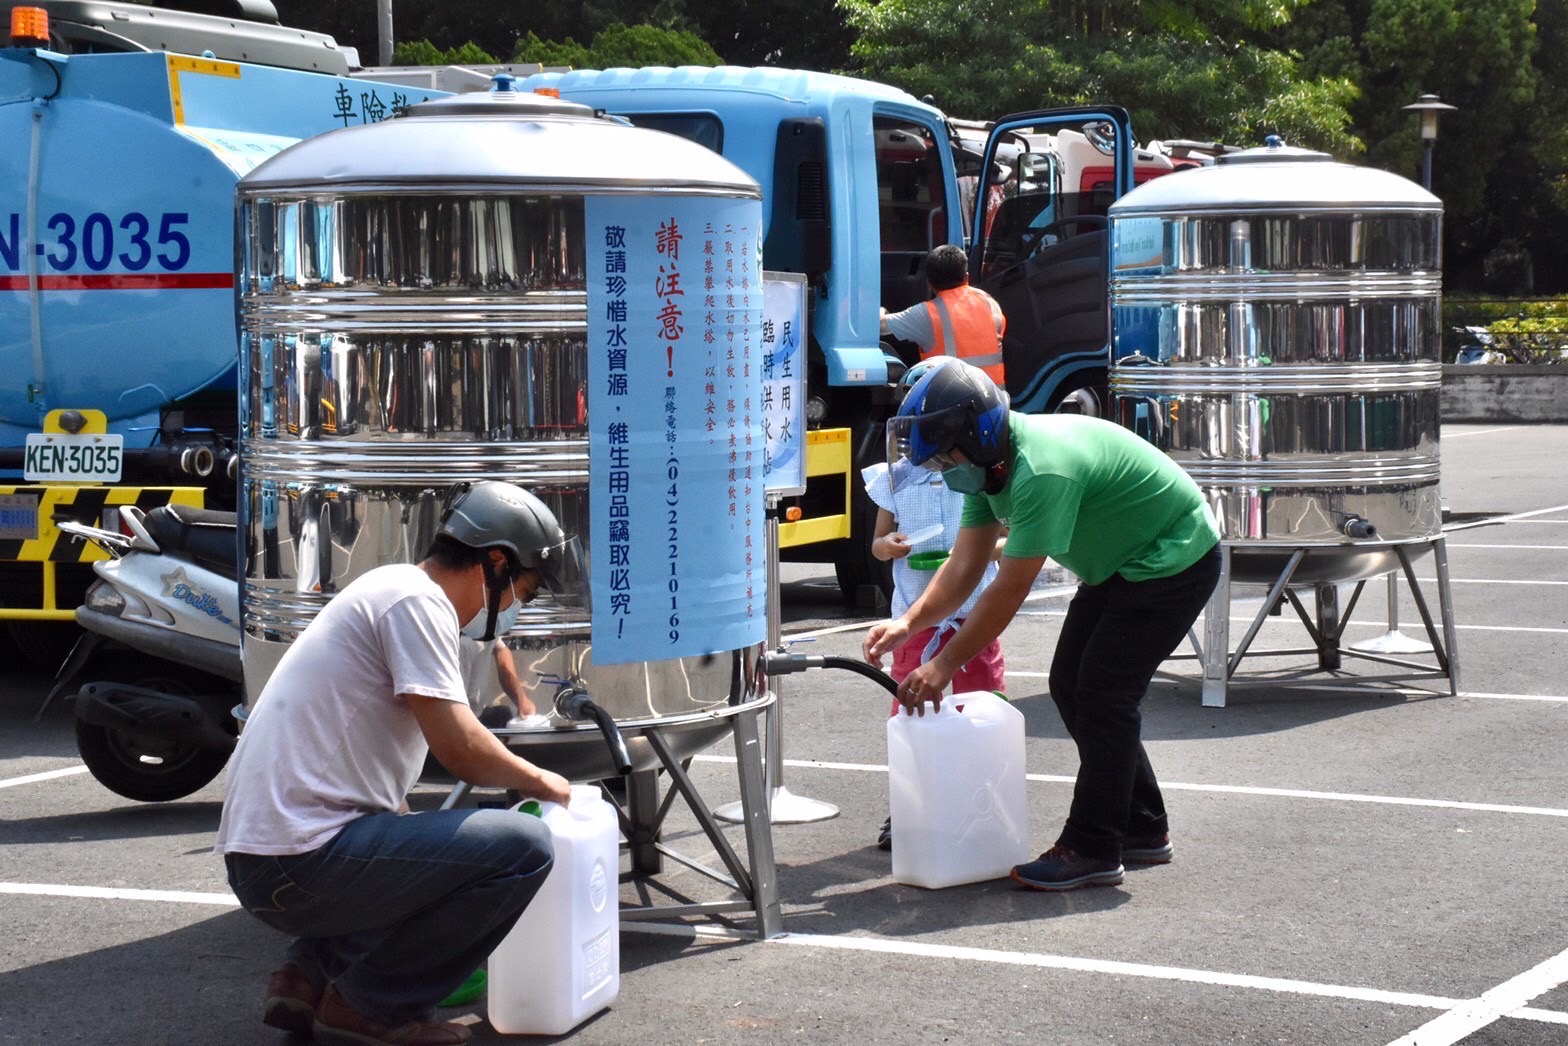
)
(205, 537)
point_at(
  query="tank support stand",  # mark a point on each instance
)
(755, 879)
(1326, 625)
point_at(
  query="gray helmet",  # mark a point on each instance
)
(500, 515)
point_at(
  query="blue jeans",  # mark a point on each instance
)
(398, 910)
(1114, 638)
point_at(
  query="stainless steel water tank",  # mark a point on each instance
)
(1276, 331)
(413, 315)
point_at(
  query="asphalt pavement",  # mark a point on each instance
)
(1360, 859)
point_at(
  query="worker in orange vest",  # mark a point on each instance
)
(958, 320)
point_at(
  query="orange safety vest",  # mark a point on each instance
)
(968, 323)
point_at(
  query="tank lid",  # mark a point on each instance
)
(1276, 177)
(502, 100)
(500, 140)
(1274, 150)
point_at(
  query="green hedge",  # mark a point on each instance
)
(1532, 330)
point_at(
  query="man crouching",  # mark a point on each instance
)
(391, 911)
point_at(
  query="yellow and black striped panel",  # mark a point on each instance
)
(84, 504)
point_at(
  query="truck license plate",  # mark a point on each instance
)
(18, 517)
(64, 458)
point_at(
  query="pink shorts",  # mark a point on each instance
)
(984, 671)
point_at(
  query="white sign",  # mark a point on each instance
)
(784, 382)
(59, 457)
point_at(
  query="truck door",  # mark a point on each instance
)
(1040, 246)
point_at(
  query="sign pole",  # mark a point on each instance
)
(784, 373)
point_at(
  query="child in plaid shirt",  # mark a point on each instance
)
(914, 502)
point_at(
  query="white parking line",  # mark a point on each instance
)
(1499, 581)
(1462, 1016)
(45, 776)
(105, 893)
(1517, 517)
(1503, 1000)
(1037, 960)
(1281, 793)
(1478, 432)
(1537, 548)
(1402, 691)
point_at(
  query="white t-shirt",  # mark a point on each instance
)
(476, 660)
(331, 739)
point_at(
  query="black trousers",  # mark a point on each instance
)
(1115, 636)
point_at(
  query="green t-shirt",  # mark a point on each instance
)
(1096, 498)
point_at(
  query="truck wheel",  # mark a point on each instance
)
(143, 768)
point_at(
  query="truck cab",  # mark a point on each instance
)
(860, 181)
(858, 178)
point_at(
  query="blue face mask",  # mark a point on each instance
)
(966, 478)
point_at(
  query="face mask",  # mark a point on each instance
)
(966, 478)
(475, 629)
(508, 617)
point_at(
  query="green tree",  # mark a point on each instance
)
(1190, 70)
(423, 52)
(619, 45)
(1500, 158)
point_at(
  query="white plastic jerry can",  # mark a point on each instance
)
(561, 964)
(957, 792)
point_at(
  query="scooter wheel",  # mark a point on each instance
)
(149, 772)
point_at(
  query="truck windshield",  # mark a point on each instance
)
(702, 128)
(909, 187)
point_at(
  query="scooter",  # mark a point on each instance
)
(156, 678)
(1475, 345)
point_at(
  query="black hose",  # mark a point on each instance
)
(612, 736)
(779, 664)
(849, 664)
(576, 704)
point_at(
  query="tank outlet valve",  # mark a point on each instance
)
(778, 663)
(574, 703)
(197, 461)
(1358, 527)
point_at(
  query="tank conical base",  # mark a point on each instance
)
(1393, 642)
(784, 808)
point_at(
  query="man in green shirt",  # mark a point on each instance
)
(1134, 528)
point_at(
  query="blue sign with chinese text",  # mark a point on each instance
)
(675, 421)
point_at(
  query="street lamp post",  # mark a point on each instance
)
(1394, 641)
(1429, 109)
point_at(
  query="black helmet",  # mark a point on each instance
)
(952, 406)
(500, 515)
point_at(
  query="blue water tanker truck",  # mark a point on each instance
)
(125, 129)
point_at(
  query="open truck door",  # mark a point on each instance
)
(1039, 245)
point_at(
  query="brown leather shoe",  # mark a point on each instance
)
(339, 1023)
(291, 1000)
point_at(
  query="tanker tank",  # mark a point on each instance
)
(117, 237)
(506, 286)
(117, 243)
